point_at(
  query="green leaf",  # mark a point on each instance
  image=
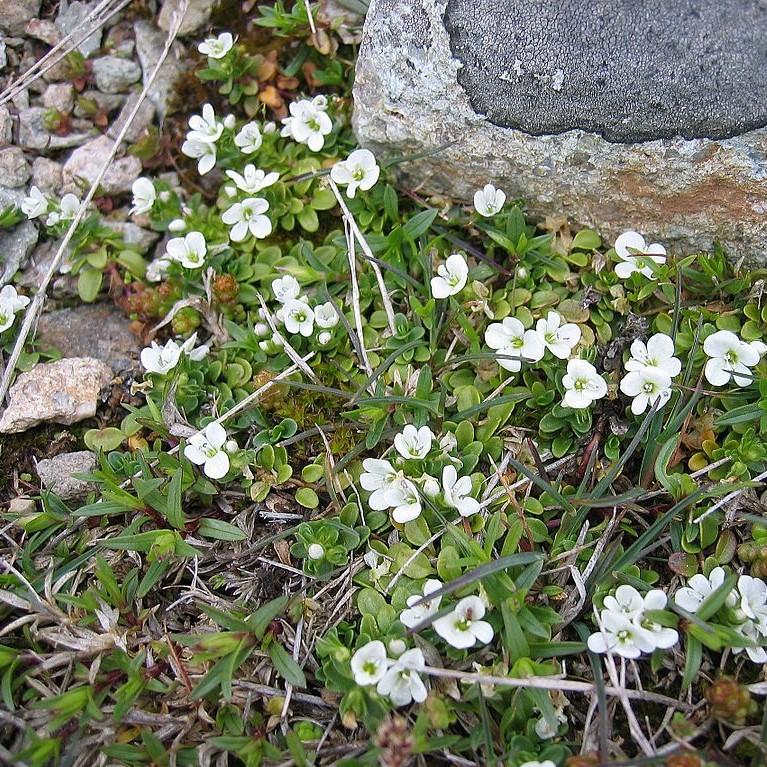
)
(106, 439)
(174, 511)
(220, 530)
(419, 223)
(89, 284)
(285, 666)
(307, 498)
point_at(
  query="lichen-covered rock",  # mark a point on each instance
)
(65, 391)
(579, 108)
(196, 15)
(57, 473)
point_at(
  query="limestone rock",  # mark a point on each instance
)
(196, 17)
(6, 125)
(14, 168)
(56, 473)
(94, 330)
(46, 174)
(581, 108)
(34, 135)
(86, 162)
(65, 391)
(114, 74)
(16, 14)
(59, 96)
(142, 121)
(150, 42)
(17, 242)
(72, 17)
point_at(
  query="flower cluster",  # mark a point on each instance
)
(308, 122)
(210, 448)
(10, 303)
(626, 627)
(205, 131)
(397, 678)
(36, 205)
(162, 359)
(396, 487)
(745, 607)
(650, 370)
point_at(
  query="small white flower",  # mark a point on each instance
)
(489, 200)
(662, 636)
(270, 127)
(729, 359)
(657, 353)
(298, 317)
(755, 632)
(35, 204)
(753, 598)
(286, 288)
(325, 315)
(202, 151)
(451, 277)
(315, 551)
(177, 225)
(626, 601)
(369, 663)
(307, 124)
(253, 179)
(622, 635)
(583, 385)
(157, 269)
(448, 442)
(160, 359)
(457, 492)
(647, 386)
(194, 353)
(536, 763)
(544, 729)
(463, 627)
(205, 128)
(401, 681)
(430, 486)
(206, 449)
(379, 564)
(247, 217)
(358, 171)
(10, 303)
(189, 251)
(217, 47)
(144, 196)
(409, 506)
(68, 208)
(559, 339)
(699, 588)
(390, 490)
(412, 616)
(510, 338)
(414, 443)
(249, 138)
(636, 255)
(324, 338)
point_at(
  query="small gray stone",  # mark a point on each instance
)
(34, 135)
(105, 102)
(15, 14)
(150, 43)
(197, 15)
(142, 121)
(93, 330)
(115, 75)
(3, 56)
(47, 175)
(15, 243)
(86, 162)
(14, 168)
(6, 126)
(72, 18)
(65, 391)
(57, 474)
(60, 96)
(134, 236)
(44, 30)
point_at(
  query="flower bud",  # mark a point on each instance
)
(324, 338)
(397, 647)
(230, 121)
(261, 329)
(431, 488)
(315, 551)
(231, 446)
(269, 127)
(177, 225)
(164, 196)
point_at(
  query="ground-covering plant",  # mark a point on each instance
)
(412, 481)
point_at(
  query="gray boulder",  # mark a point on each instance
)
(57, 473)
(619, 115)
(15, 14)
(85, 163)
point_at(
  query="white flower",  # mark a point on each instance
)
(463, 627)
(647, 386)
(216, 47)
(636, 255)
(378, 563)
(389, 489)
(583, 385)
(162, 359)
(489, 200)
(206, 449)
(358, 171)
(298, 317)
(662, 636)
(144, 195)
(10, 303)
(412, 616)
(369, 663)
(248, 217)
(35, 204)
(68, 208)
(414, 443)
(325, 315)
(451, 277)
(559, 339)
(249, 138)
(202, 151)
(753, 598)
(729, 358)
(626, 601)
(157, 269)
(510, 338)
(253, 179)
(699, 588)
(535, 763)
(315, 551)
(205, 128)
(544, 729)
(457, 492)
(401, 682)
(307, 124)
(286, 288)
(622, 635)
(409, 507)
(177, 225)
(189, 251)
(657, 353)
(751, 632)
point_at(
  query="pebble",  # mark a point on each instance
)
(17, 242)
(56, 474)
(45, 31)
(34, 135)
(65, 391)
(71, 18)
(85, 163)
(47, 175)
(196, 17)
(14, 168)
(115, 75)
(142, 121)
(150, 42)
(60, 96)
(16, 14)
